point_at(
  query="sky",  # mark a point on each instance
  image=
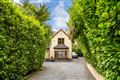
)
(58, 10)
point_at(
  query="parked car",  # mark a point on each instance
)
(74, 55)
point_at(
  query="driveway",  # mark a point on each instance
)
(71, 70)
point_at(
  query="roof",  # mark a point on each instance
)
(61, 46)
(59, 31)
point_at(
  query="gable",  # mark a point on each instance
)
(61, 32)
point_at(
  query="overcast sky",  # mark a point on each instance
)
(58, 10)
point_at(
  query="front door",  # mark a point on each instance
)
(60, 54)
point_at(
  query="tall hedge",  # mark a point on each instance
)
(96, 26)
(22, 42)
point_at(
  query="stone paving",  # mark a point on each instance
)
(71, 70)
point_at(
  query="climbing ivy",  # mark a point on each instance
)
(95, 24)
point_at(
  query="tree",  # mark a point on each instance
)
(40, 12)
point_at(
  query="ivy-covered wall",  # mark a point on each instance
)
(22, 42)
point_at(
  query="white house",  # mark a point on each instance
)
(60, 46)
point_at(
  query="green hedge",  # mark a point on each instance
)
(75, 48)
(22, 42)
(96, 23)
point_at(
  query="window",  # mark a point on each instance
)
(60, 40)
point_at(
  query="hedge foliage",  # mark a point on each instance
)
(76, 48)
(22, 42)
(96, 26)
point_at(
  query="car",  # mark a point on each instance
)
(74, 55)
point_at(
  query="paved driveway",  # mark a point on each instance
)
(71, 70)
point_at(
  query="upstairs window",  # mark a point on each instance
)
(60, 40)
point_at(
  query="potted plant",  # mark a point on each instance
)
(52, 59)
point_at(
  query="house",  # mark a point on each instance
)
(60, 46)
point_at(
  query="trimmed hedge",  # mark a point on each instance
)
(96, 24)
(22, 42)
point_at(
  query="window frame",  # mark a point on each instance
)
(60, 40)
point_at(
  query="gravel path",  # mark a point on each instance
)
(71, 70)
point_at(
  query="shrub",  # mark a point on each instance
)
(77, 50)
(96, 23)
(22, 42)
